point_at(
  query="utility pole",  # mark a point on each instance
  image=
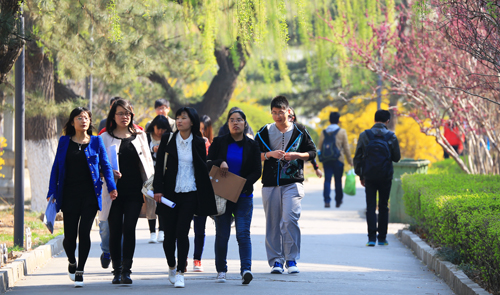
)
(19, 143)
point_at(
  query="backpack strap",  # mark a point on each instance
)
(370, 134)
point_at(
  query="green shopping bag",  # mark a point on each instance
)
(350, 183)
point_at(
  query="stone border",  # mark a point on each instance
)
(453, 277)
(28, 263)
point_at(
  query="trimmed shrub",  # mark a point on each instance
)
(461, 212)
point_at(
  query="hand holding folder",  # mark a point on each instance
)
(228, 187)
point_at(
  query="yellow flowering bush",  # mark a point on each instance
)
(413, 143)
(3, 144)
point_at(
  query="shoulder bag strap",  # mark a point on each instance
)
(166, 154)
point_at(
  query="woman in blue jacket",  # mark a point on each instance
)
(76, 186)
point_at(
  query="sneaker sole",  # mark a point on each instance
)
(220, 281)
(179, 286)
(247, 278)
(275, 271)
(78, 284)
(197, 270)
(71, 276)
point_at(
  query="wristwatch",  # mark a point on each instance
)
(265, 156)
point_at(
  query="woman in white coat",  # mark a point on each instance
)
(135, 166)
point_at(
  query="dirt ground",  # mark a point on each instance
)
(39, 232)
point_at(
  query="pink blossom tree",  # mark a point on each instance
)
(420, 64)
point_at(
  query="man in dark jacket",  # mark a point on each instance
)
(376, 150)
(284, 147)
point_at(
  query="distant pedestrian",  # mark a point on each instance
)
(154, 132)
(333, 147)
(293, 118)
(135, 166)
(238, 154)
(284, 148)
(76, 186)
(225, 128)
(186, 183)
(102, 124)
(200, 222)
(376, 150)
(162, 107)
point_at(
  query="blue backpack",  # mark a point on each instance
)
(377, 157)
(329, 150)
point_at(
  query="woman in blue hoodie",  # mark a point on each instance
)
(76, 186)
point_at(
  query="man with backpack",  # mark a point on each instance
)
(376, 150)
(333, 147)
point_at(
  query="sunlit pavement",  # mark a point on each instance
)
(334, 260)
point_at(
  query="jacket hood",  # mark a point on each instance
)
(379, 129)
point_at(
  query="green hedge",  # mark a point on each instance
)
(461, 212)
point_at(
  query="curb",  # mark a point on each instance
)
(28, 263)
(453, 277)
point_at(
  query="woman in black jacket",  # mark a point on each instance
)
(186, 183)
(237, 153)
(154, 132)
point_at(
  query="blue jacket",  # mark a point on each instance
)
(96, 158)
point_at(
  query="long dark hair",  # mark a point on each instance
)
(70, 129)
(161, 122)
(193, 116)
(111, 123)
(208, 130)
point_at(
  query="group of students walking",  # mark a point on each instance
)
(106, 173)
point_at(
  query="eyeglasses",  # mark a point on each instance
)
(83, 118)
(127, 114)
(239, 120)
(281, 114)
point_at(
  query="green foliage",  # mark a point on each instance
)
(37, 105)
(447, 166)
(461, 212)
(257, 116)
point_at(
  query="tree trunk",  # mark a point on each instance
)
(10, 44)
(221, 89)
(41, 142)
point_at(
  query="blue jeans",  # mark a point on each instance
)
(335, 169)
(199, 236)
(242, 211)
(104, 233)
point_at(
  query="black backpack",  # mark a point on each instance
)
(329, 150)
(377, 157)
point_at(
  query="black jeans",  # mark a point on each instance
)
(176, 223)
(152, 224)
(78, 221)
(383, 187)
(122, 220)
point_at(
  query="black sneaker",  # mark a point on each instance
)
(71, 271)
(78, 279)
(105, 259)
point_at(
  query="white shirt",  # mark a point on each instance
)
(185, 181)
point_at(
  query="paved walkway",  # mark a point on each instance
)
(334, 260)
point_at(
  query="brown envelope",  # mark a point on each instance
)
(228, 187)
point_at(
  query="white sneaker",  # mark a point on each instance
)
(161, 236)
(152, 240)
(179, 280)
(197, 266)
(171, 275)
(221, 277)
(292, 267)
(246, 277)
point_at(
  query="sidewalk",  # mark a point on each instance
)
(334, 260)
